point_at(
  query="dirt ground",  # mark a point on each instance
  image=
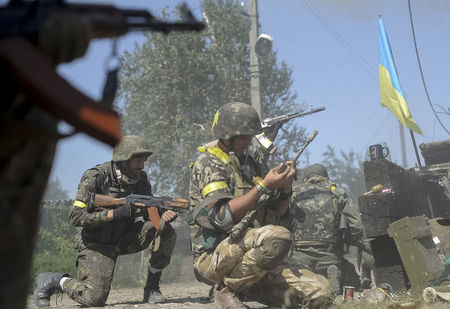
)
(186, 295)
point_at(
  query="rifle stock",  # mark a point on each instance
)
(34, 71)
(105, 201)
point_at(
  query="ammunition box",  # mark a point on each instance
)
(419, 255)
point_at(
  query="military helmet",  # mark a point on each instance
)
(130, 146)
(236, 118)
(315, 169)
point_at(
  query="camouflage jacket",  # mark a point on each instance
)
(317, 207)
(216, 175)
(102, 179)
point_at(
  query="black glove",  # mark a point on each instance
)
(123, 212)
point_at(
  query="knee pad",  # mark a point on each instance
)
(272, 252)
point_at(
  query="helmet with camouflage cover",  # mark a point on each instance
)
(130, 146)
(236, 118)
(315, 170)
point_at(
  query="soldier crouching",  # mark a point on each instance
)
(108, 233)
(253, 264)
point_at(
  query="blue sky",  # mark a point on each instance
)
(332, 48)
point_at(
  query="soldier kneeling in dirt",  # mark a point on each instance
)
(320, 234)
(106, 234)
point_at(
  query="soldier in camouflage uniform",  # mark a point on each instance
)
(317, 205)
(106, 234)
(242, 254)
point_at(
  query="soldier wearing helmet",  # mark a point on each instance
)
(222, 199)
(325, 220)
(106, 234)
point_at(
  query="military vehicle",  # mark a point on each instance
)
(408, 221)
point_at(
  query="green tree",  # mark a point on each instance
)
(54, 250)
(172, 85)
(55, 191)
(346, 171)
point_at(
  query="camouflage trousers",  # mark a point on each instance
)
(238, 266)
(317, 259)
(96, 262)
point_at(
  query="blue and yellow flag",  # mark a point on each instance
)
(392, 95)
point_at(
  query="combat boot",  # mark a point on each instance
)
(152, 294)
(225, 298)
(47, 284)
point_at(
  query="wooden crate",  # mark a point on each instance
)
(406, 185)
(377, 212)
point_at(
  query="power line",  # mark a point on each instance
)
(421, 72)
(341, 40)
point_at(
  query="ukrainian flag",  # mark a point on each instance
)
(392, 95)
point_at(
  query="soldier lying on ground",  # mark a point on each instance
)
(317, 206)
(106, 234)
(254, 265)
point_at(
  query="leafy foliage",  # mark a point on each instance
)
(54, 249)
(346, 171)
(55, 191)
(172, 85)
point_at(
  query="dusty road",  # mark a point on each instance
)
(186, 295)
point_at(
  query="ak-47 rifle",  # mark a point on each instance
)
(269, 122)
(151, 203)
(20, 25)
(271, 126)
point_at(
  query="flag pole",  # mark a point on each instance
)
(402, 144)
(415, 148)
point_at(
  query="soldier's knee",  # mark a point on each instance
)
(272, 251)
(94, 298)
(274, 231)
(169, 234)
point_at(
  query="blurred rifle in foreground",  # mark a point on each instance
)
(21, 27)
(151, 203)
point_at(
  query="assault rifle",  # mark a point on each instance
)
(25, 18)
(21, 23)
(279, 120)
(271, 126)
(151, 203)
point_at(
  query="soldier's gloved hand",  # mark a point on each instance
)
(123, 212)
(169, 216)
(64, 37)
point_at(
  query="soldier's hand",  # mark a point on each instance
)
(275, 179)
(291, 169)
(123, 212)
(169, 216)
(64, 37)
